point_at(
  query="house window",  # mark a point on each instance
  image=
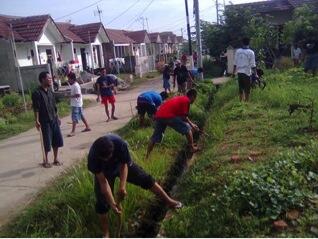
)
(74, 50)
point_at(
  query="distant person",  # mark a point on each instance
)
(244, 65)
(181, 74)
(311, 63)
(46, 118)
(174, 113)
(105, 91)
(296, 55)
(108, 159)
(76, 104)
(195, 72)
(166, 79)
(148, 102)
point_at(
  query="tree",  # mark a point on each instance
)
(302, 26)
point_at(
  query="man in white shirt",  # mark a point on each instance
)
(76, 104)
(244, 66)
(296, 55)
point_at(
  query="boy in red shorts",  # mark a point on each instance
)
(104, 90)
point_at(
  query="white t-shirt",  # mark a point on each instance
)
(76, 90)
(244, 60)
(296, 53)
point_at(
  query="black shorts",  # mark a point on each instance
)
(144, 107)
(136, 176)
(244, 82)
(52, 135)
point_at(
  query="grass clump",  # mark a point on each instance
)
(257, 164)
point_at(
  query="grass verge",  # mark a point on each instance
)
(258, 166)
(13, 124)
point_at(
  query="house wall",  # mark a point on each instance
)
(9, 72)
(24, 54)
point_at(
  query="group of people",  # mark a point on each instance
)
(181, 75)
(109, 155)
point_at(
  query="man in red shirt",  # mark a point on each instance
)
(174, 113)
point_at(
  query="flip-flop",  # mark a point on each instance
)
(46, 165)
(86, 130)
(71, 135)
(57, 163)
(178, 206)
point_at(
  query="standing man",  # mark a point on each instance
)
(148, 102)
(174, 113)
(105, 91)
(244, 65)
(311, 63)
(76, 104)
(108, 159)
(296, 55)
(181, 74)
(46, 118)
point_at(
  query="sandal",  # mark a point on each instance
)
(57, 163)
(46, 165)
(179, 205)
(86, 130)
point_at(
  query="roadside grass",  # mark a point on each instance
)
(275, 168)
(138, 80)
(13, 120)
(66, 208)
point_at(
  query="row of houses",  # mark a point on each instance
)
(40, 41)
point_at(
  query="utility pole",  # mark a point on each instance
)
(147, 24)
(99, 13)
(14, 48)
(198, 35)
(189, 32)
(217, 12)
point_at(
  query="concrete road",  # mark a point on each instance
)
(21, 177)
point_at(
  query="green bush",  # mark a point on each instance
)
(12, 100)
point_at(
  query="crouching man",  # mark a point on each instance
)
(109, 158)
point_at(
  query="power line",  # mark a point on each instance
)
(79, 10)
(115, 18)
(142, 12)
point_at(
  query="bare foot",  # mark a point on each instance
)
(114, 118)
(46, 165)
(86, 130)
(71, 134)
(108, 120)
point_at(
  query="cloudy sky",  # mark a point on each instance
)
(162, 15)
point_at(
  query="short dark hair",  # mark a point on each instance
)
(164, 95)
(246, 41)
(192, 93)
(43, 75)
(103, 147)
(72, 76)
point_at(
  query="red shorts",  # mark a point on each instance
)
(106, 99)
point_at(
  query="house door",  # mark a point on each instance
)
(50, 60)
(99, 57)
(84, 61)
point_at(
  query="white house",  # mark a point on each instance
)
(84, 44)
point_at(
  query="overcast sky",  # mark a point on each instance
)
(162, 15)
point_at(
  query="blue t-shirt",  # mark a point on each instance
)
(111, 167)
(103, 82)
(194, 72)
(150, 97)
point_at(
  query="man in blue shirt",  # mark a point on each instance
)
(109, 158)
(148, 102)
(105, 85)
